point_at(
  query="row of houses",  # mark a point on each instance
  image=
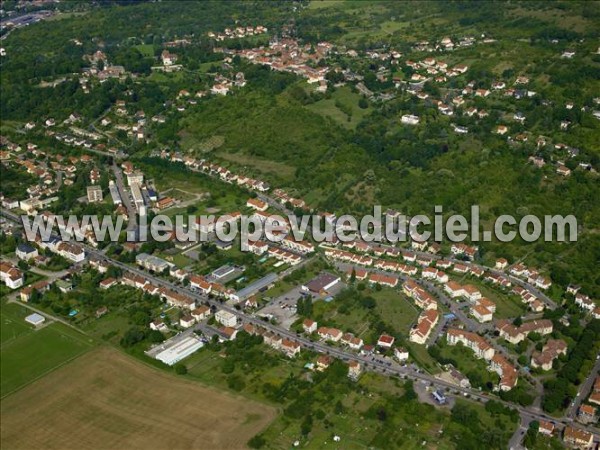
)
(289, 347)
(72, 251)
(551, 350)
(422, 298)
(572, 436)
(428, 318)
(515, 334)
(409, 257)
(482, 349)
(482, 309)
(587, 304)
(426, 322)
(384, 342)
(237, 32)
(595, 394)
(532, 276)
(171, 297)
(216, 170)
(530, 299)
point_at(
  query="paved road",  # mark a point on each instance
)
(374, 363)
(124, 193)
(454, 306)
(551, 304)
(584, 390)
(516, 441)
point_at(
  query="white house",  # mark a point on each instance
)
(226, 318)
(409, 119)
(26, 252)
(309, 326)
(11, 275)
(401, 354)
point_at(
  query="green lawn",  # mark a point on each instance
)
(342, 102)
(12, 325)
(356, 320)
(466, 362)
(179, 259)
(163, 77)
(28, 354)
(396, 309)
(507, 306)
(147, 50)
(109, 327)
(225, 197)
(319, 4)
(422, 358)
(260, 164)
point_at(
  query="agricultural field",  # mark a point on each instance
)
(83, 405)
(28, 354)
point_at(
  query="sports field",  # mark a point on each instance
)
(106, 399)
(27, 353)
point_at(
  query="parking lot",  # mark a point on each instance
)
(283, 307)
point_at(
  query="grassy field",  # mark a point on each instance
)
(318, 4)
(349, 103)
(395, 309)
(105, 399)
(468, 364)
(163, 77)
(260, 164)
(506, 306)
(423, 358)
(28, 354)
(224, 197)
(146, 50)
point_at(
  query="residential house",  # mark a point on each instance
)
(187, 321)
(159, 325)
(330, 334)
(290, 348)
(546, 428)
(309, 326)
(257, 204)
(578, 438)
(425, 323)
(514, 334)
(354, 370)
(226, 318)
(479, 345)
(385, 341)
(501, 264)
(481, 313)
(401, 354)
(200, 313)
(552, 350)
(10, 275)
(25, 251)
(107, 283)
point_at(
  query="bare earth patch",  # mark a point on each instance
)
(107, 400)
